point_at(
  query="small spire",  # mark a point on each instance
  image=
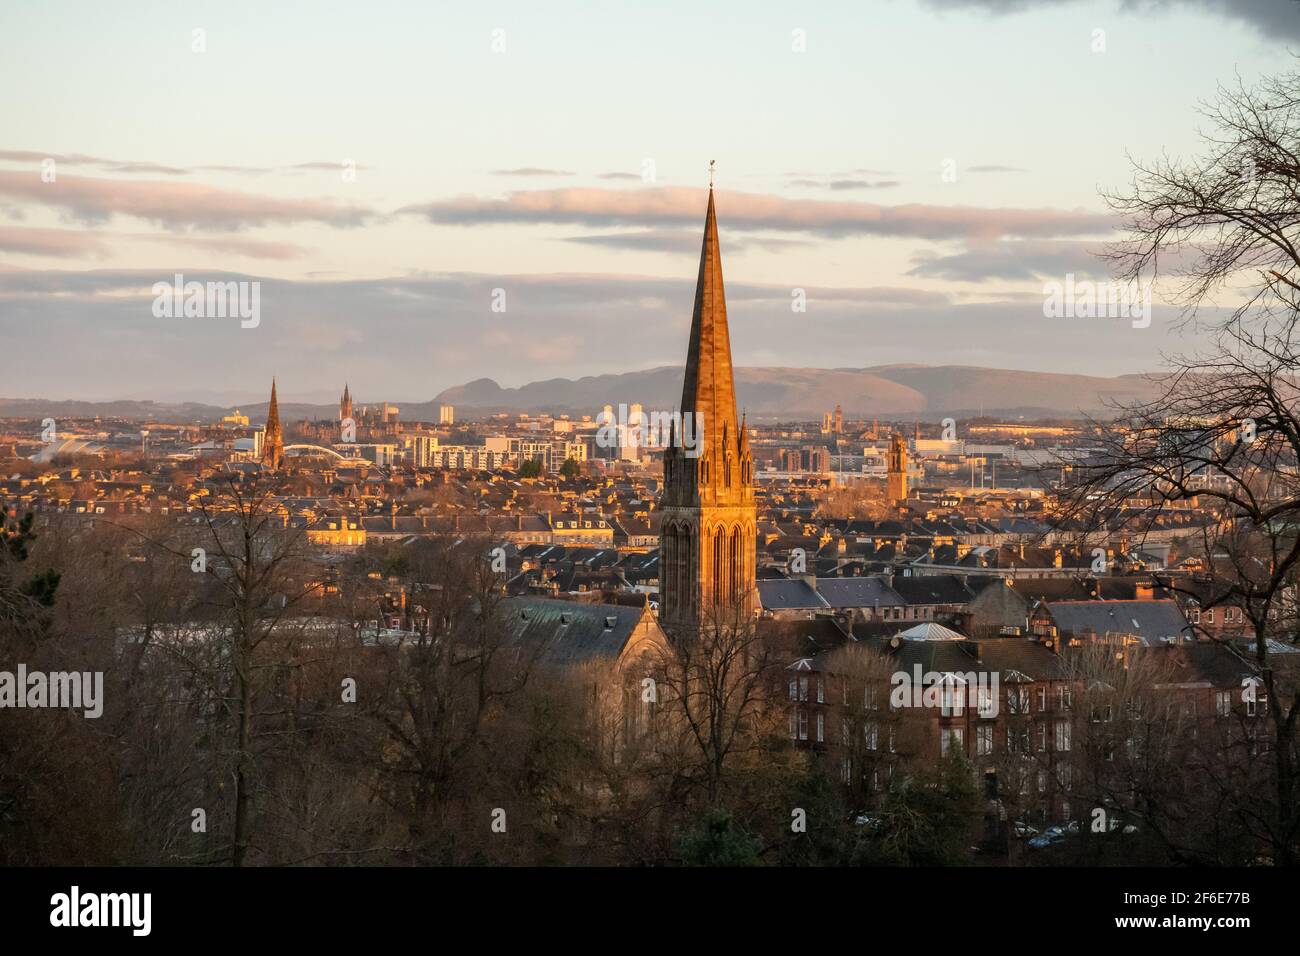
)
(712, 163)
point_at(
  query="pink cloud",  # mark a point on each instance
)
(597, 207)
(57, 243)
(173, 204)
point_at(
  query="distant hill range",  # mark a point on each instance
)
(805, 393)
(900, 391)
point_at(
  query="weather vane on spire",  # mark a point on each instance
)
(712, 163)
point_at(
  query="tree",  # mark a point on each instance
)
(717, 679)
(718, 841)
(24, 598)
(257, 564)
(532, 468)
(1224, 429)
(570, 468)
(925, 820)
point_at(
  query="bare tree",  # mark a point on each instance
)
(1223, 434)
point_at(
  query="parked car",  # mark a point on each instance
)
(1054, 834)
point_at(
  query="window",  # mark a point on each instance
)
(951, 737)
(891, 742)
(1062, 735)
(1063, 697)
(987, 702)
(1042, 698)
(869, 699)
(1255, 700)
(984, 740)
(1066, 775)
(1042, 781)
(821, 727)
(794, 689)
(821, 691)
(1017, 740)
(1223, 703)
(872, 733)
(1209, 616)
(1101, 713)
(952, 703)
(803, 688)
(1018, 700)
(1042, 736)
(803, 724)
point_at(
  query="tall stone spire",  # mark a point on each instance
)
(709, 391)
(273, 439)
(709, 530)
(345, 404)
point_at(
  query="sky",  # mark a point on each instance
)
(434, 193)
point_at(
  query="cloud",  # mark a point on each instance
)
(172, 204)
(628, 177)
(994, 168)
(679, 206)
(56, 243)
(316, 332)
(70, 243)
(682, 242)
(1272, 19)
(838, 185)
(232, 245)
(1022, 259)
(155, 169)
(531, 171)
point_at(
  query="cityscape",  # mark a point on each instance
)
(327, 546)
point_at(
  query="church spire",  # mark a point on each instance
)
(273, 437)
(708, 533)
(709, 387)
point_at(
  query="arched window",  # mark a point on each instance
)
(735, 565)
(718, 571)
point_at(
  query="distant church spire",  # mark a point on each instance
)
(345, 404)
(709, 528)
(273, 439)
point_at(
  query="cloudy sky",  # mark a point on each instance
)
(382, 168)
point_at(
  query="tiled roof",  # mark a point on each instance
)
(1154, 622)
(783, 595)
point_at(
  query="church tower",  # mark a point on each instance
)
(708, 534)
(897, 469)
(345, 404)
(273, 440)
